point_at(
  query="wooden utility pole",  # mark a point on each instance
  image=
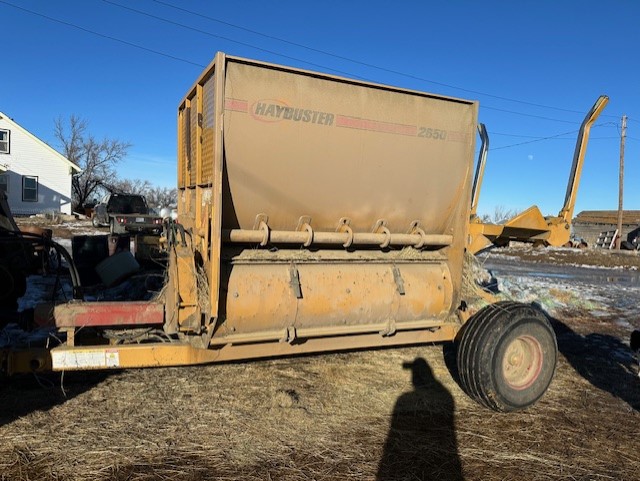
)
(623, 135)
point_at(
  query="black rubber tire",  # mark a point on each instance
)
(500, 332)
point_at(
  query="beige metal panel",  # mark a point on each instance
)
(309, 145)
(271, 297)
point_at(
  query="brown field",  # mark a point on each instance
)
(395, 414)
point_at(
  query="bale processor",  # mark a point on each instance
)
(315, 213)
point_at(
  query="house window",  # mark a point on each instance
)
(29, 188)
(4, 141)
(4, 183)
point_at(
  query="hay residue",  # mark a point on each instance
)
(478, 285)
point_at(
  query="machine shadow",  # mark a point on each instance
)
(21, 395)
(421, 443)
(603, 360)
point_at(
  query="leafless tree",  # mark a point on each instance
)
(500, 215)
(96, 158)
(162, 197)
(129, 186)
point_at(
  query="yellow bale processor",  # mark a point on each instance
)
(315, 213)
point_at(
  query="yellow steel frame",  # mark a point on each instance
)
(531, 225)
(71, 358)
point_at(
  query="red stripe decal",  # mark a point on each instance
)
(375, 126)
(237, 105)
(454, 136)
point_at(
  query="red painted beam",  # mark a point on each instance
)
(105, 314)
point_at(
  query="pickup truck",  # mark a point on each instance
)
(126, 213)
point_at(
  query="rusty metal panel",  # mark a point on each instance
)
(103, 314)
(182, 163)
(187, 137)
(264, 297)
(193, 142)
(208, 133)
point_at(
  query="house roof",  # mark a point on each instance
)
(37, 140)
(629, 217)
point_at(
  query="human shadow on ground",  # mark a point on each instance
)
(603, 360)
(26, 393)
(421, 443)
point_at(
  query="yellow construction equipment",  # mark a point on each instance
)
(530, 225)
(316, 213)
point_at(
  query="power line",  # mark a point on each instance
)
(359, 62)
(180, 59)
(213, 35)
(529, 115)
(537, 137)
(536, 140)
(516, 135)
(245, 44)
(92, 32)
(556, 136)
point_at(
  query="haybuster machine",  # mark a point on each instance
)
(319, 213)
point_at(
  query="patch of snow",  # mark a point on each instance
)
(14, 336)
(38, 290)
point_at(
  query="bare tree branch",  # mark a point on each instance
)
(97, 159)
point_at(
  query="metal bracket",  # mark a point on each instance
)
(295, 281)
(344, 225)
(304, 224)
(261, 223)
(260, 218)
(414, 228)
(399, 281)
(302, 221)
(290, 335)
(390, 330)
(381, 228)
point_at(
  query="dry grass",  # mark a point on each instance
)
(338, 417)
(323, 418)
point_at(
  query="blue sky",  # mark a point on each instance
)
(537, 54)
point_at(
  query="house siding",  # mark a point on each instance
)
(28, 157)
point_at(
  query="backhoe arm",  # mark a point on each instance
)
(566, 213)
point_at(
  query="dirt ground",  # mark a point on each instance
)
(329, 417)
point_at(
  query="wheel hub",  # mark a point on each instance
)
(522, 362)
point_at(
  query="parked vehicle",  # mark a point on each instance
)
(126, 213)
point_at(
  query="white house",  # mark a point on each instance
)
(35, 177)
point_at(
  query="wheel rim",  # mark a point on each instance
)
(522, 362)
